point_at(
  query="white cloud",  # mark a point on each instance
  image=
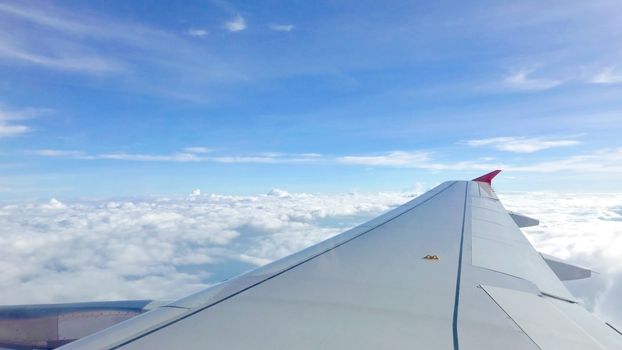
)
(521, 81)
(279, 193)
(281, 27)
(608, 75)
(197, 32)
(8, 130)
(54, 204)
(522, 144)
(236, 24)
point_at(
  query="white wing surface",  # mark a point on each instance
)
(448, 270)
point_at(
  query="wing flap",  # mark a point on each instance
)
(554, 324)
(523, 220)
(565, 270)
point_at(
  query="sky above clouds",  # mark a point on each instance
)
(112, 112)
(114, 98)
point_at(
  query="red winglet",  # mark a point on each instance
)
(488, 177)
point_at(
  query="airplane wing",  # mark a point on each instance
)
(448, 270)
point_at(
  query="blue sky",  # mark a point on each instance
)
(118, 98)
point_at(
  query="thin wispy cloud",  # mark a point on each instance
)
(609, 75)
(281, 27)
(601, 161)
(94, 45)
(176, 157)
(237, 24)
(523, 80)
(268, 159)
(60, 153)
(12, 114)
(198, 149)
(394, 158)
(604, 160)
(73, 62)
(12, 120)
(522, 144)
(43, 18)
(187, 155)
(8, 130)
(414, 160)
(197, 32)
(58, 49)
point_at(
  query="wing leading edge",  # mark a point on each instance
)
(443, 271)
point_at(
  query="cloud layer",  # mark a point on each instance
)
(161, 247)
(166, 247)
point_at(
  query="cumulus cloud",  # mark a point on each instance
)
(236, 24)
(522, 144)
(281, 27)
(279, 193)
(54, 204)
(521, 80)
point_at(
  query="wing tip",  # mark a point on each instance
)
(487, 178)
